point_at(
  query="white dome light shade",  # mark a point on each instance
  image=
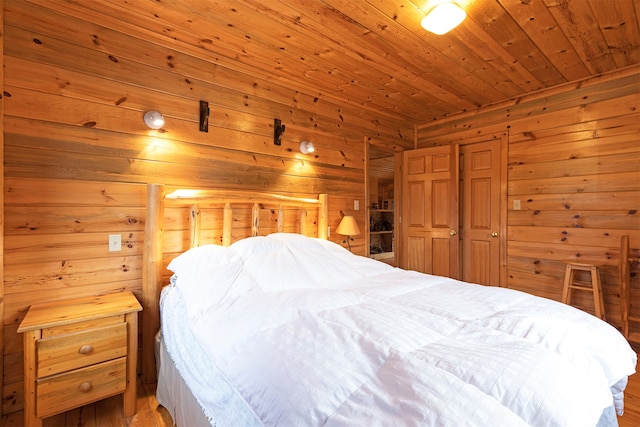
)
(307, 147)
(443, 18)
(153, 119)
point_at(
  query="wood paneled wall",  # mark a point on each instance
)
(2, 97)
(78, 155)
(574, 165)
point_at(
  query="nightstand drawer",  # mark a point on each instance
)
(62, 353)
(62, 392)
(81, 326)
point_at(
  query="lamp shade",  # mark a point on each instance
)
(348, 226)
(443, 17)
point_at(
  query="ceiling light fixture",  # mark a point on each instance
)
(307, 147)
(153, 119)
(443, 17)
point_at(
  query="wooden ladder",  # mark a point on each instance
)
(626, 260)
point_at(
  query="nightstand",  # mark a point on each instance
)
(79, 351)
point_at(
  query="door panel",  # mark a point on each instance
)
(416, 253)
(440, 204)
(480, 189)
(441, 256)
(479, 271)
(416, 213)
(481, 212)
(416, 165)
(430, 180)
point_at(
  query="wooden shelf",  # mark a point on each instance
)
(382, 255)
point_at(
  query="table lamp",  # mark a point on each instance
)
(348, 227)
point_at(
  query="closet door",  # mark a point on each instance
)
(430, 211)
(481, 232)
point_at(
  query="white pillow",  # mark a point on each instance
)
(300, 241)
(208, 274)
(273, 266)
(327, 259)
(201, 258)
(282, 261)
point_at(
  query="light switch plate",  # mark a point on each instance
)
(115, 243)
(356, 205)
(516, 205)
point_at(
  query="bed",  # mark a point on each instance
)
(290, 330)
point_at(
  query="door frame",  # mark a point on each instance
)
(397, 193)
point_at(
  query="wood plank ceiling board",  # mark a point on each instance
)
(541, 28)
(620, 29)
(373, 55)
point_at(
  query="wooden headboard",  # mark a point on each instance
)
(157, 201)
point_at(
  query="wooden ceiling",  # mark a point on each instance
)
(374, 53)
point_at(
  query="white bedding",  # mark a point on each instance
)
(293, 331)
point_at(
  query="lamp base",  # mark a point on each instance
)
(348, 242)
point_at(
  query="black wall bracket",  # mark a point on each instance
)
(278, 130)
(204, 116)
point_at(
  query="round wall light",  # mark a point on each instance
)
(307, 147)
(153, 119)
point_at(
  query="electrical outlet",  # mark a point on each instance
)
(115, 243)
(516, 205)
(356, 205)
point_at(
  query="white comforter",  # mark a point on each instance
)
(299, 332)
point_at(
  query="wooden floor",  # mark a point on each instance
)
(109, 412)
(631, 417)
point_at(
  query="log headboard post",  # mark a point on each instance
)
(151, 276)
(227, 223)
(323, 217)
(194, 226)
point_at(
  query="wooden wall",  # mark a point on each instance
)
(2, 97)
(574, 164)
(78, 155)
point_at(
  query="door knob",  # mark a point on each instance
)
(494, 234)
(453, 232)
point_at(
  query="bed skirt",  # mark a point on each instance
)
(173, 393)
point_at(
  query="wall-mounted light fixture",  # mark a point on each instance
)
(307, 147)
(153, 119)
(278, 130)
(443, 16)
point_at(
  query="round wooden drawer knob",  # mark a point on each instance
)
(85, 387)
(85, 349)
